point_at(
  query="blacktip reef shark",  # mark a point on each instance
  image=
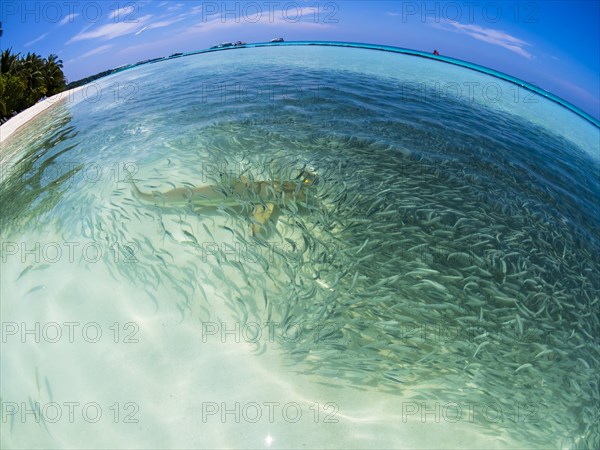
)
(265, 198)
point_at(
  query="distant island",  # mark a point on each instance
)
(223, 46)
(24, 80)
(105, 73)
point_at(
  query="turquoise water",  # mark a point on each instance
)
(406, 51)
(440, 289)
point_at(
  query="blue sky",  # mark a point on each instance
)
(553, 44)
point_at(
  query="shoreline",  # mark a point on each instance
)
(13, 124)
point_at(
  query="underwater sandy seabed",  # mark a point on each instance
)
(440, 288)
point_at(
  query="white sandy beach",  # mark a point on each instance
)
(16, 122)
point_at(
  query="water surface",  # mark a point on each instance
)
(440, 291)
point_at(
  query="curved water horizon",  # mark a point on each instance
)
(401, 50)
(447, 256)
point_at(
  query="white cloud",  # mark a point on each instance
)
(182, 36)
(303, 18)
(121, 28)
(68, 18)
(96, 51)
(111, 30)
(489, 35)
(36, 40)
(122, 13)
(159, 24)
(164, 23)
(393, 14)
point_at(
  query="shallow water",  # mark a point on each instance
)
(440, 289)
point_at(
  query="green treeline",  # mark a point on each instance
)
(74, 84)
(26, 79)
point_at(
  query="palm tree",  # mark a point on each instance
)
(32, 67)
(24, 80)
(8, 61)
(55, 79)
